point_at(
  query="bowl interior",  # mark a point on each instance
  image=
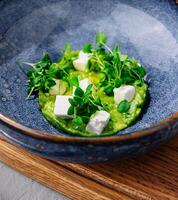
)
(145, 30)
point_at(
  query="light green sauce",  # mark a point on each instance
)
(118, 120)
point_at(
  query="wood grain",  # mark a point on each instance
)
(150, 176)
(153, 176)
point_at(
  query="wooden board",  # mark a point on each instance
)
(147, 177)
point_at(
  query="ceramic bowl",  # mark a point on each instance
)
(146, 30)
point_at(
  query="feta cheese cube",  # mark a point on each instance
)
(98, 122)
(83, 84)
(125, 92)
(80, 63)
(61, 106)
(58, 88)
(84, 55)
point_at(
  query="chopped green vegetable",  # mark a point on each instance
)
(123, 106)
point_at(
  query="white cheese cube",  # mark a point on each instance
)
(80, 63)
(84, 55)
(83, 84)
(61, 106)
(125, 92)
(98, 122)
(58, 88)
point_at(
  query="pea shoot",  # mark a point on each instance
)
(42, 77)
(83, 105)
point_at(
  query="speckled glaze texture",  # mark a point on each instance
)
(146, 30)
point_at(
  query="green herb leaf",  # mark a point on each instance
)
(74, 81)
(116, 49)
(87, 48)
(109, 90)
(97, 101)
(123, 106)
(101, 38)
(77, 122)
(85, 119)
(70, 110)
(138, 83)
(108, 69)
(123, 57)
(67, 47)
(79, 92)
(141, 71)
(73, 102)
(118, 82)
(78, 99)
(50, 83)
(45, 59)
(89, 89)
(105, 107)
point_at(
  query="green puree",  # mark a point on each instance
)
(106, 70)
(118, 120)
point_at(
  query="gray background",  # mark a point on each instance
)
(14, 186)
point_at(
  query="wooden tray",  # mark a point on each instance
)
(147, 177)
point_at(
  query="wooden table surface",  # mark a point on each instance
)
(150, 176)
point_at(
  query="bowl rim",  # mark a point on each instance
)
(35, 133)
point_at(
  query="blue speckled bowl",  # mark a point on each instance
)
(146, 30)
